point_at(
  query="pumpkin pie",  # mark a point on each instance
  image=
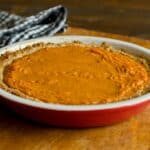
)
(74, 73)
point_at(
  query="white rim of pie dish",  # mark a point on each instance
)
(129, 47)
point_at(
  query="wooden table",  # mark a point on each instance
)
(134, 134)
(128, 17)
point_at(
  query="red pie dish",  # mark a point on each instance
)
(80, 113)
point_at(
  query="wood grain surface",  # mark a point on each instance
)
(16, 133)
(128, 17)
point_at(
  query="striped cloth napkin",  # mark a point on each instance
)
(14, 28)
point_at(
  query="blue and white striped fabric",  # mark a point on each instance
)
(15, 28)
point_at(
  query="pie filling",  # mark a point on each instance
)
(77, 74)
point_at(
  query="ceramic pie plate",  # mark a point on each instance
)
(77, 116)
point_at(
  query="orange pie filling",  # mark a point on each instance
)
(75, 74)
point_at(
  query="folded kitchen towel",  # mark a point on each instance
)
(14, 28)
